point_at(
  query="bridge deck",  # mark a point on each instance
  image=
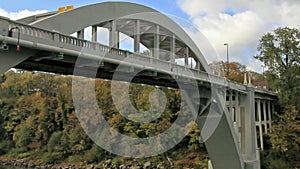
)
(40, 39)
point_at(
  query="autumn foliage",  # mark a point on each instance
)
(38, 119)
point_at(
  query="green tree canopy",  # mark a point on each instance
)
(280, 52)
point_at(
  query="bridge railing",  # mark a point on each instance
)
(70, 40)
(29, 30)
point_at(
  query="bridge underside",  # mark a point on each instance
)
(45, 61)
(223, 153)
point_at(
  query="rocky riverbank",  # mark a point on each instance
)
(106, 165)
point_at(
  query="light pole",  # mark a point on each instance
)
(227, 64)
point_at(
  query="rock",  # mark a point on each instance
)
(122, 166)
(160, 166)
(147, 165)
(108, 161)
(91, 167)
(31, 165)
(43, 167)
(98, 166)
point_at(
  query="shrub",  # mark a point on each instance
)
(52, 157)
(95, 154)
(5, 146)
(278, 164)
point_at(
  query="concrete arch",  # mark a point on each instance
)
(222, 145)
(79, 18)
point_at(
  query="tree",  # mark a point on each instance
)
(284, 135)
(2, 78)
(23, 136)
(280, 52)
(235, 70)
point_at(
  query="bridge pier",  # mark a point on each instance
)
(263, 117)
(242, 108)
(259, 123)
(233, 105)
(248, 130)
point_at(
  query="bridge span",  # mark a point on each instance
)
(44, 43)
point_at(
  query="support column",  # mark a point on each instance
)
(137, 36)
(186, 56)
(113, 34)
(172, 48)
(156, 42)
(265, 116)
(230, 105)
(259, 113)
(80, 34)
(117, 39)
(249, 138)
(238, 118)
(94, 33)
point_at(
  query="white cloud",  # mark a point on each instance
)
(239, 23)
(103, 35)
(20, 14)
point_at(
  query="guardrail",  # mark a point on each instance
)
(60, 38)
(70, 40)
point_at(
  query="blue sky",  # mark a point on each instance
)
(165, 6)
(239, 23)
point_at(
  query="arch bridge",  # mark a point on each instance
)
(161, 51)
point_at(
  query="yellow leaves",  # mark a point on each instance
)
(116, 121)
(48, 114)
(284, 136)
